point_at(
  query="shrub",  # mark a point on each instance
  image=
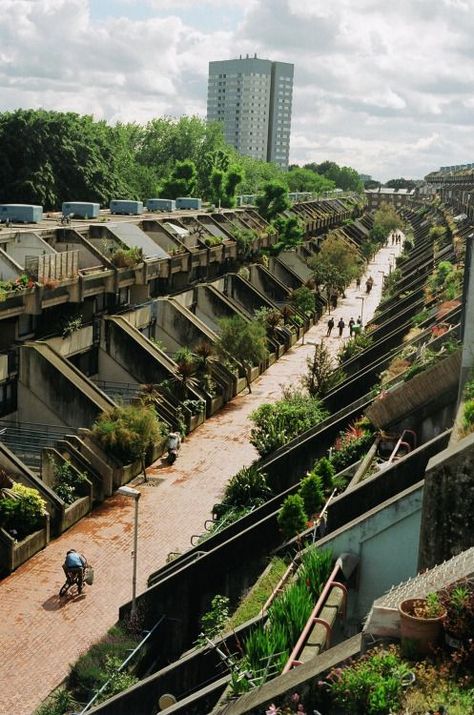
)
(324, 468)
(127, 257)
(22, 510)
(353, 347)
(374, 685)
(468, 415)
(292, 517)
(92, 669)
(67, 481)
(268, 646)
(303, 299)
(247, 488)
(350, 446)
(312, 493)
(321, 377)
(60, 703)
(128, 432)
(278, 423)
(214, 620)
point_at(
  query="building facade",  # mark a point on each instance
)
(253, 99)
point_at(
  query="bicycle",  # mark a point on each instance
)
(78, 578)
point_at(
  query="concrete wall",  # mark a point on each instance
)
(422, 389)
(51, 392)
(176, 326)
(211, 307)
(448, 504)
(393, 528)
(129, 356)
(27, 244)
(79, 341)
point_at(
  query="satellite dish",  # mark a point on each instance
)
(166, 701)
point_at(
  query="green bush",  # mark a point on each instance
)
(353, 347)
(349, 452)
(247, 488)
(128, 432)
(312, 493)
(374, 685)
(60, 703)
(268, 646)
(292, 517)
(468, 391)
(468, 415)
(22, 510)
(324, 468)
(92, 669)
(278, 423)
(213, 621)
(127, 257)
(68, 481)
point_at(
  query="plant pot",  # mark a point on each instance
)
(418, 635)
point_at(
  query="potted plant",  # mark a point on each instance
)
(421, 622)
(458, 599)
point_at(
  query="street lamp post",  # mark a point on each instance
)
(135, 494)
(362, 299)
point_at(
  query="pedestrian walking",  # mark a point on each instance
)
(330, 326)
(334, 301)
(359, 321)
(358, 282)
(368, 284)
(351, 326)
(341, 325)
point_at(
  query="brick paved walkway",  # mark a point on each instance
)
(39, 636)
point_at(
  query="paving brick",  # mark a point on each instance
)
(39, 635)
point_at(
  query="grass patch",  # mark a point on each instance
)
(254, 600)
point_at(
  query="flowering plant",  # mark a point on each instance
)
(291, 706)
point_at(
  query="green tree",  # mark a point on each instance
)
(273, 201)
(49, 157)
(337, 263)
(303, 299)
(245, 341)
(311, 491)
(128, 432)
(400, 184)
(344, 177)
(386, 220)
(181, 182)
(301, 179)
(290, 234)
(277, 423)
(292, 518)
(321, 376)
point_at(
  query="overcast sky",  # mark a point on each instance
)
(385, 86)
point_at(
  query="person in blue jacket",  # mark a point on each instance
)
(75, 563)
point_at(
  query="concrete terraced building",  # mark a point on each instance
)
(253, 98)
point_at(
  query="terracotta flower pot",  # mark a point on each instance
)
(418, 635)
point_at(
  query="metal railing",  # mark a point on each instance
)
(27, 439)
(118, 391)
(121, 667)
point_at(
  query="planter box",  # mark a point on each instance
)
(216, 404)
(14, 553)
(420, 390)
(75, 511)
(196, 420)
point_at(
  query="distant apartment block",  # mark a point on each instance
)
(253, 98)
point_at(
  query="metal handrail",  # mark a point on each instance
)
(121, 667)
(292, 660)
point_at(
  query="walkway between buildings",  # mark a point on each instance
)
(39, 636)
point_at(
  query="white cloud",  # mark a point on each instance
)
(384, 87)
